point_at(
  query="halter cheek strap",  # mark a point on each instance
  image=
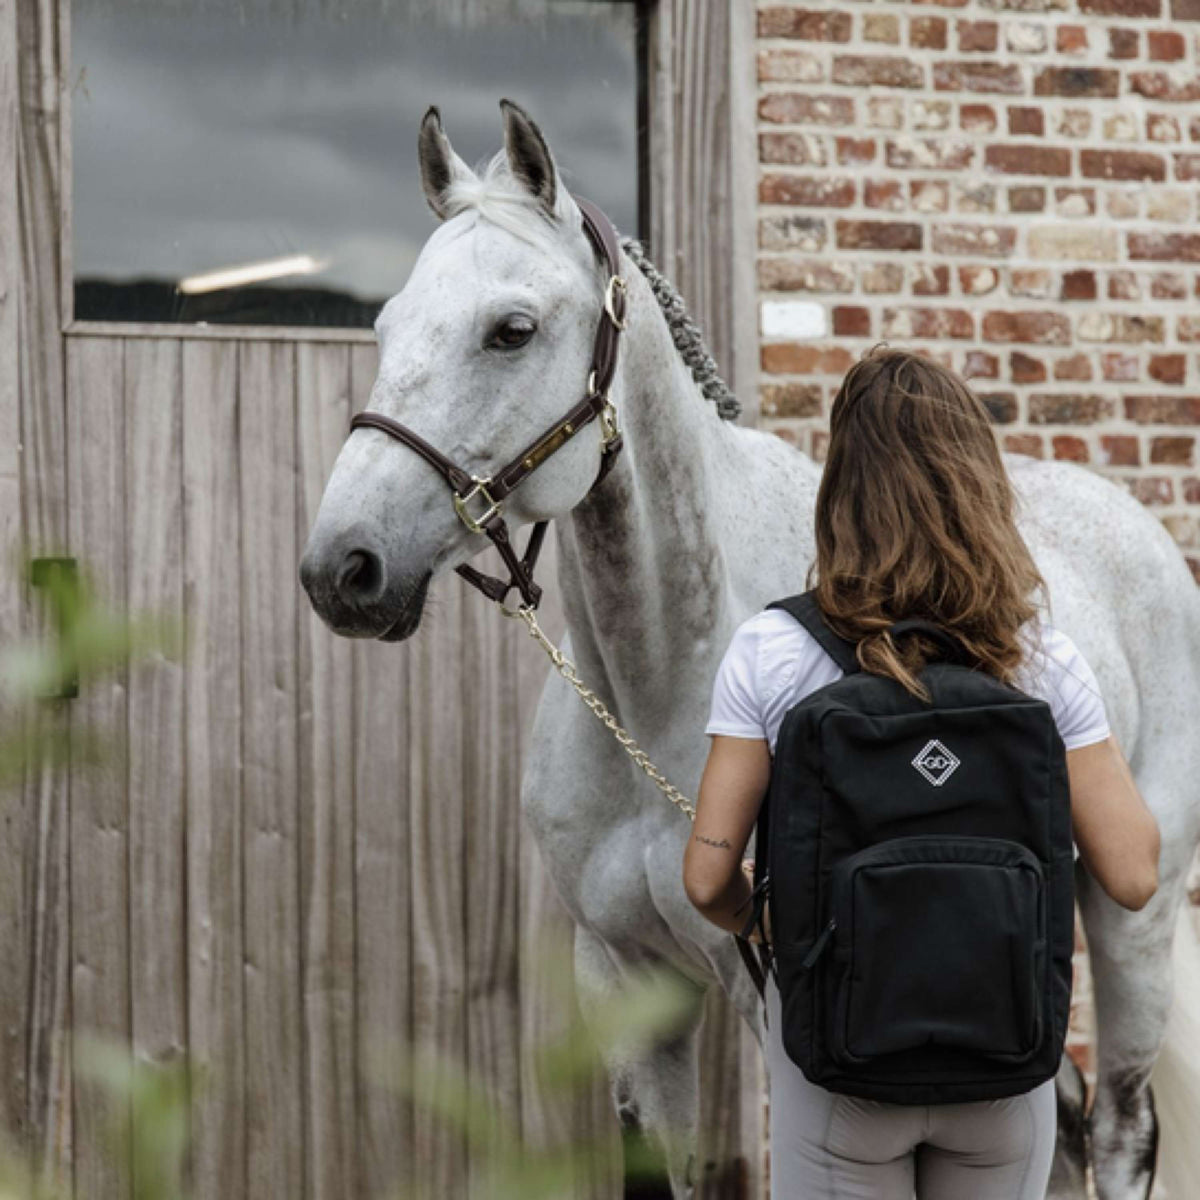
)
(479, 500)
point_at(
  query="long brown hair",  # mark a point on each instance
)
(915, 518)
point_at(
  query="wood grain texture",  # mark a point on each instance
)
(383, 900)
(326, 679)
(14, 907)
(436, 864)
(45, 798)
(100, 964)
(273, 984)
(213, 763)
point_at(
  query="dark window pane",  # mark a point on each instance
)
(280, 136)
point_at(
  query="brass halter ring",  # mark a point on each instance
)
(615, 282)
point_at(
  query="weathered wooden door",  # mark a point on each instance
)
(266, 873)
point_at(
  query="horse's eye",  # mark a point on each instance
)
(512, 332)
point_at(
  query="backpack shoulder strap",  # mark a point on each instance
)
(804, 608)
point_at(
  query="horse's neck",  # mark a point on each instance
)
(640, 563)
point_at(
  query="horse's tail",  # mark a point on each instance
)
(1176, 1078)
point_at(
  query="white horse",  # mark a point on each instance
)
(697, 526)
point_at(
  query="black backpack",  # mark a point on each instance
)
(917, 862)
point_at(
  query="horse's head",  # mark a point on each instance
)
(487, 345)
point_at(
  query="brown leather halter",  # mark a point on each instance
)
(492, 490)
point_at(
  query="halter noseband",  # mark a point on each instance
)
(492, 490)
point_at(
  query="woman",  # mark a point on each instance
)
(914, 517)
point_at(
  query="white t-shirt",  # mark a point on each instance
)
(773, 662)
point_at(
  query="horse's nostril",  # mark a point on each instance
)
(360, 577)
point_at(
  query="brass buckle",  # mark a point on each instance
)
(615, 282)
(608, 424)
(476, 524)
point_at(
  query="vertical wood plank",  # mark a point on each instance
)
(14, 908)
(270, 784)
(383, 902)
(100, 998)
(44, 500)
(157, 829)
(436, 750)
(326, 666)
(212, 581)
(491, 793)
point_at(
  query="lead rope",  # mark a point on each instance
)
(566, 668)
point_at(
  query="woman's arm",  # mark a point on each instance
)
(1116, 833)
(731, 792)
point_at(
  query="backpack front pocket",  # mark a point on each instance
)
(940, 942)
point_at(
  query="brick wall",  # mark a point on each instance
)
(1012, 187)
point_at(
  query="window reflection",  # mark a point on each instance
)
(279, 140)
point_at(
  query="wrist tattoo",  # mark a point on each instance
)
(720, 845)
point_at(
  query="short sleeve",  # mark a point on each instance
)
(736, 711)
(1079, 707)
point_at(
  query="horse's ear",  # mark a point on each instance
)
(440, 166)
(529, 157)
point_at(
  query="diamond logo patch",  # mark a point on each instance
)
(935, 762)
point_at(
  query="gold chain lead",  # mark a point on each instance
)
(566, 668)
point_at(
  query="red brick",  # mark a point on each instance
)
(978, 77)
(929, 195)
(993, 241)
(893, 71)
(1025, 159)
(883, 193)
(1194, 129)
(1040, 328)
(1122, 164)
(1120, 327)
(851, 321)
(1023, 443)
(1185, 10)
(1121, 8)
(1123, 43)
(1167, 285)
(1070, 408)
(1124, 285)
(804, 108)
(931, 280)
(1119, 450)
(1152, 489)
(788, 274)
(855, 152)
(791, 231)
(929, 33)
(800, 149)
(1072, 39)
(1075, 367)
(1187, 329)
(878, 235)
(1119, 367)
(804, 358)
(1024, 368)
(978, 279)
(1079, 285)
(1168, 368)
(1173, 451)
(814, 25)
(1165, 45)
(881, 279)
(1035, 282)
(977, 37)
(819, 444)
(791, 400)
(912, 322)
(1191, 490)
(1027, 122)
(1187, 166)
(1002, 406)
(1165, 247)
(1073, 198)
(979, 364)
(783, 64)
(807, 190)
(1068, 448)
(977, 118)
(1160, 85)
(1026, 199)
(930, 154)
(1163, 410)
(1163, 127)
(1077, 81)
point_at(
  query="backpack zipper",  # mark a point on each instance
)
(819, 945)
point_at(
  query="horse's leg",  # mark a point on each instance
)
(1131, 969)
(655, 1087)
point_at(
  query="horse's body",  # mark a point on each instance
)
(699, 524)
